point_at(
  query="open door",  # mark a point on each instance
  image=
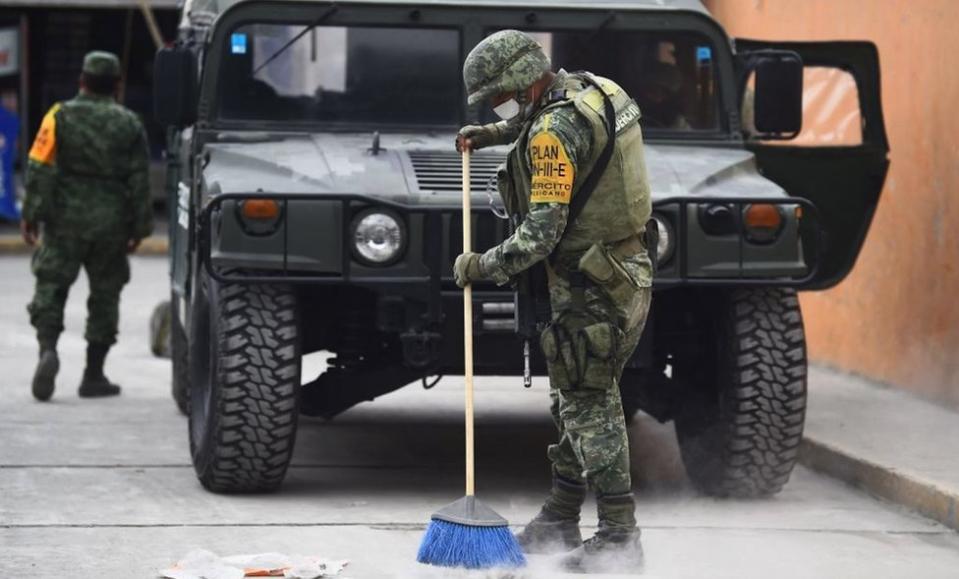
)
(839, 158)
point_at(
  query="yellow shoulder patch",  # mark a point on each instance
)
(552, 171)
(44, 149)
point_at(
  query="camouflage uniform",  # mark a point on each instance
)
(594, 328)
(87, 183)
(592, 444)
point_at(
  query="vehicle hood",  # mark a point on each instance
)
(402, 169)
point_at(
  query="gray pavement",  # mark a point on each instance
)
(886, 441)
(897, 432)
(105, 488)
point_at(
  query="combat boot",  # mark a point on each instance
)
(95, 384)
(45, 375)
(616, 547)
(556, 527)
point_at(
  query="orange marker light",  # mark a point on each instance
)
(763, 216)
(260, 209)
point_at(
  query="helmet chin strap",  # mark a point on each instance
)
(526, 104)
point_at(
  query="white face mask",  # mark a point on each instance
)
(515, 109)
(507, 110)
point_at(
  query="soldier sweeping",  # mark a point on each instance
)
(87, 184)
(576, 179)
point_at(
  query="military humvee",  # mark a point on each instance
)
(315, 190)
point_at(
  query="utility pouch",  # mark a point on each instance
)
(607, 272)
(599, 342)
(581, 358)
(558, 377)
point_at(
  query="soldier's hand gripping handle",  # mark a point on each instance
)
(475, 137)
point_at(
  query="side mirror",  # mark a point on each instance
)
(777, 93)
(174, 87)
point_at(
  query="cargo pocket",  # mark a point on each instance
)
(555, 364)
(598, 343)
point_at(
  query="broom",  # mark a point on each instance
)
(467, 533)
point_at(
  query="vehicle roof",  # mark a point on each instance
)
(218, 6)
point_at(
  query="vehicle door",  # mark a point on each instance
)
(839, 158)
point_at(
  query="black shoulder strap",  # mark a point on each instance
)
(586, 190)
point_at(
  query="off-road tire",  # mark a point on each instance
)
(180, 358)
(243, 430)
(739, 435)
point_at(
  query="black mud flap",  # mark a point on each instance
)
(844, 181)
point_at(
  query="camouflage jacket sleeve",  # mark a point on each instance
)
(138, 186)
(558, 141)
(507, 132)
(41, 174)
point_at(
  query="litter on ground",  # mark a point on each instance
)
(202, 564)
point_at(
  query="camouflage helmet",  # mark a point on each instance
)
(506, 61)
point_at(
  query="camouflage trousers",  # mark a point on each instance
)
(586, 347)
(56, 266)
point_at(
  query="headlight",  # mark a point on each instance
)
(666, 242)
(378, 237)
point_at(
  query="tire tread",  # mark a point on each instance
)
(754, 445)
(258, 383)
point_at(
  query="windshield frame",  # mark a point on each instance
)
(472, 22)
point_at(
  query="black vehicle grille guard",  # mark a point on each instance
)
(432, 283)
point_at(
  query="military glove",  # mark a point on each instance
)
(466, 269)
(477, 137)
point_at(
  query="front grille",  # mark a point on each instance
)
(487, 231)
(442, 171)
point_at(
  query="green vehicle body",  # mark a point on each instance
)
(395, 323)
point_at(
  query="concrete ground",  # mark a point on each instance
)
(105, 488)
(884, 440)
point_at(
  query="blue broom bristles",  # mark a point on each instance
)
(448, 544)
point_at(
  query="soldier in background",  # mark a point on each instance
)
(87, 184)
(660, 96)
(599, 271)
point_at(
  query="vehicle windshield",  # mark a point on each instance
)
(671, 75)
(342, 75)
(401, 77)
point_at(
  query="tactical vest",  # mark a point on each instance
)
(619, 206)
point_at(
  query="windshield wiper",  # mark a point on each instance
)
(322, 17)
(611, 17)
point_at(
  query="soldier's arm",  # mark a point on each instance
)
(41, 171)
(482, 136)
(533, 241)
(508, 132)
(138, 187)
(556, 145)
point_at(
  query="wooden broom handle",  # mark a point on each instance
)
(468, 328)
